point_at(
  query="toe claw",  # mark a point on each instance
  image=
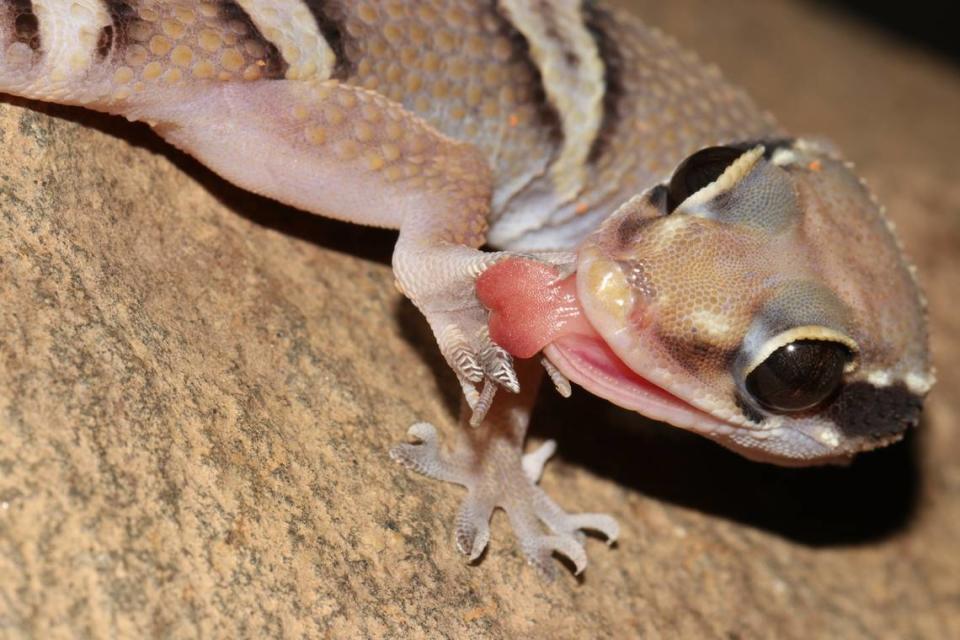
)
(423, 432)
(408, 455)
(423, 455)
(483, 403)
(472, 539)
(541, 554)
(498, 364)
(473, 527)
(573, 551)
(470, 393)
(560, 381)
(599, 522)
(459, 353)
(504, 375)
(465, 364)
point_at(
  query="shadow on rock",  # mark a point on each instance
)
(872, 498)
(364, 242)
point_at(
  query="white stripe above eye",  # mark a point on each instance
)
(289, 25)
(733, 174)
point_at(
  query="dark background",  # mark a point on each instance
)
(930, 23)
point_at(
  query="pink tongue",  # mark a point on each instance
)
(529, 308)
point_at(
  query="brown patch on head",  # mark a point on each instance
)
(630, 229)
(698, 354)
(697, 286)
(630, 220)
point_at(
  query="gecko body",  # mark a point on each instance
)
(659, 239)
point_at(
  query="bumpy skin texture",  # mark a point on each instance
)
(549, 129)
(779, 249)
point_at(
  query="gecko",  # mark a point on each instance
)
(576, 195)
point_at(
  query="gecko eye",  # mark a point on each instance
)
(799, 376)
(697, 171)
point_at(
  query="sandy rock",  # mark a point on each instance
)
(198, 388)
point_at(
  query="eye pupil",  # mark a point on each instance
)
(697, 171)
(798, 376)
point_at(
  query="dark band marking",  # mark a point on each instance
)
(863, 410)
(274, 66)
(546, 113)
(631, 229)
(331, 21)
(113, 37)
(598, 22)
(696, 353)
(23, 23)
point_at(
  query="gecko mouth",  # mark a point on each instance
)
(533, 311)
(590, 363)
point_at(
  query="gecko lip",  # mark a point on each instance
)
(590, 363)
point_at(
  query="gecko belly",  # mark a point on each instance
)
(532, 311)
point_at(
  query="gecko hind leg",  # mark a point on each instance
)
(489, 461)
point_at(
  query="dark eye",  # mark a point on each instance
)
(698, 171)
(799, 375)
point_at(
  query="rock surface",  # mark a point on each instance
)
(198, 389)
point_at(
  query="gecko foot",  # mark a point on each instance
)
(491, 465)
(440, 280)
(443, 281)
(481, 365)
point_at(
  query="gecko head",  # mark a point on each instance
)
(759, 297)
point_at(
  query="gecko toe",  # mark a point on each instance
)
(424, 455)
(534, 462)
(498, 363)
(460, 353)
(473, 527)
(540, 553)
(599, 522)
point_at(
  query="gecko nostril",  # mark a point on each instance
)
(697, 171)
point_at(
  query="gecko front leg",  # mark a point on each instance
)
(305, 139)
(489, 461)
(350, 153)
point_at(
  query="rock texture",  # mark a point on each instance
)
(198, 389)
